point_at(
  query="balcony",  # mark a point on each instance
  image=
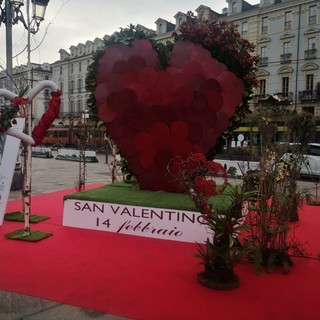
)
(263, 61)
(286, 58)
(309, 95)
(310, 54)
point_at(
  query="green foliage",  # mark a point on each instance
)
(226, 223)
(301, 128)
(7, 115)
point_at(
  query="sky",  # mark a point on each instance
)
(70, 22)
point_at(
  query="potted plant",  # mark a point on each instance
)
(223, 218)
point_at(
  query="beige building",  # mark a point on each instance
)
(287, 38)
(38, 73)
(69, 73)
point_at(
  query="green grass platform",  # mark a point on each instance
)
(123, 193)
(35, 235)
(19, 216)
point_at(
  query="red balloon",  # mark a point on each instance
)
(144, 141)
(156, 116)
(137, 63)
(159, 130)
(105, 114)
(130, 79)
(148, 77)
(120, 67)
(147, 158)
(180, 129)
(191, 68)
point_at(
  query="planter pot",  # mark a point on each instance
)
(219, 281)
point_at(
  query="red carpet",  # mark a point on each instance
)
(149, 279)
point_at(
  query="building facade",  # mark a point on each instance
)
(69, 73)
(287, 38)
(38, 73)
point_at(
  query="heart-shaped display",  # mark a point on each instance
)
(157, 115)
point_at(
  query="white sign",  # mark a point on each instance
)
(8, 163)
(149, 222)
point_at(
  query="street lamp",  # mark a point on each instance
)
(11, 14)
(13, 8)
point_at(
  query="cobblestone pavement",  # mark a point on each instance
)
(49, 174)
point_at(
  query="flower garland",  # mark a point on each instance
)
(47, 118)
(8, 115)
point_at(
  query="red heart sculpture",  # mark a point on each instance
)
(156, 115)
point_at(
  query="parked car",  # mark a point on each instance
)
(309, 162)
(311, 166)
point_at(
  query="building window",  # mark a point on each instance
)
(161, 28)
(79, 84)
(287, 47)
(313, 15)
(72, 106)
(80, 66)
(244, 29)
(234, 7)
(79, 105)
(262, 88)
(263, 56)
(311, 52)
(287, 20)
(72, 86)
(264, 25)
(60, 71)
(61, 87)
(286, 56)
(311, 43)
(309, 82)
(71, 67)
(285, 87)
(266, 2)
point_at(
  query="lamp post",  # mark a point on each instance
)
(11, 14)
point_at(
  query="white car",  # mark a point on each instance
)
(311, 165)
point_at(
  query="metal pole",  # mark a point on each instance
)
(9, 79)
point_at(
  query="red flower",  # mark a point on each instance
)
(194, 162)
(19, 101)
(205, 187)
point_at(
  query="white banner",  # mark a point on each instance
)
(8, 163)
(149, 222)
